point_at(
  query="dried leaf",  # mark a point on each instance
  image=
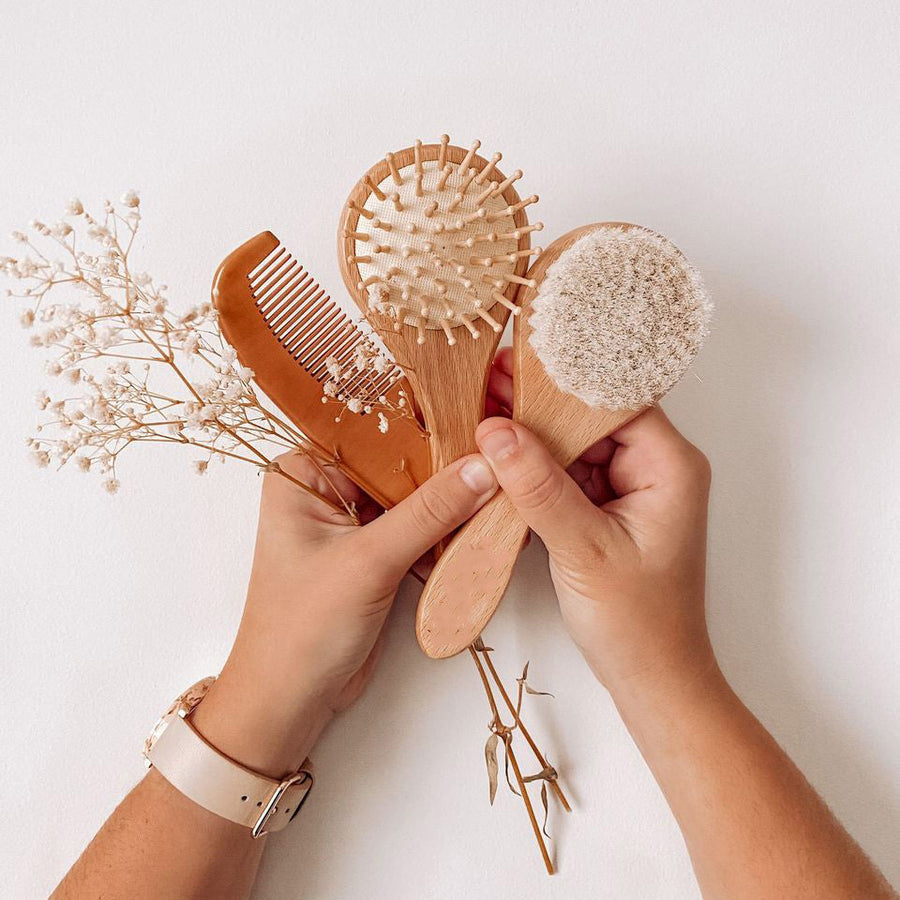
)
(506, 740)
(547, 774)
(490, 757)
(531, 690)
(546, 808)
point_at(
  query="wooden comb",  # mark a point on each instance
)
(433, 243)
(284, 327)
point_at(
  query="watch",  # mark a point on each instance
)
(215, 781)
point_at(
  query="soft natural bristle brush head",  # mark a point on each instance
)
(619, 317)
(434, 237)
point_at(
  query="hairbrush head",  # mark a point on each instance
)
(435, 237)
(619, 317)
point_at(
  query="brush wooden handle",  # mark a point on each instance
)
(470, 578)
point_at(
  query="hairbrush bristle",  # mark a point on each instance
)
(619, 317)
(453, 243)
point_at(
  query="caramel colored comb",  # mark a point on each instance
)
(284, 327)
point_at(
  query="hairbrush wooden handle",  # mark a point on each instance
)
(470, 578)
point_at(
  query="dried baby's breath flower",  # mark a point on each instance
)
(139, 373)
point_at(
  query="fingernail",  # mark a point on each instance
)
(477, 475)
(498, 444)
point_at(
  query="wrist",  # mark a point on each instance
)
(674, 691)
(258, 724)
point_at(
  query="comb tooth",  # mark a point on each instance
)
(395, 199)
(273, 302)
(278, 318)
(319, 320)
(442, 156)
(307, 309)
(448, 331)
(268, 284)
(324, 322)
(419, 191)
(333, 343)
(417, 152)
(334, 347)
(255, 274)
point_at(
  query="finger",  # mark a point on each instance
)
(325, 480)
(504, 361)
(500, 387)
(493, 408)
(599, 454)
(653, 453)
(547, 499)
(431, 512)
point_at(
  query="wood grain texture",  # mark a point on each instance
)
(470, 578)
(387, 466)
(449, 383)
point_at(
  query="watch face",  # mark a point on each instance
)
(181, 707)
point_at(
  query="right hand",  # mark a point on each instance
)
(626, 535)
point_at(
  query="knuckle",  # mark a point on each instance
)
(538, 490)
(433, 510)
(694, 465)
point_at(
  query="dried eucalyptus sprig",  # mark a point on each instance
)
(133, 371)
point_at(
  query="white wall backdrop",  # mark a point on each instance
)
(762, 137)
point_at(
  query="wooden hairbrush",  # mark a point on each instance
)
(572, 387)
(284, 327)
(433, 245)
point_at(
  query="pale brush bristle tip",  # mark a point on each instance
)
(619, 317)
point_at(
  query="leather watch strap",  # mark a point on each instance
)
(223, 786)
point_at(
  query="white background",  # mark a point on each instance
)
(763, 138)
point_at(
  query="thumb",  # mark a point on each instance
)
(548, 500)
(431, 512)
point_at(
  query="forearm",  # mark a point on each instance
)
(753, 825)
(160, 844)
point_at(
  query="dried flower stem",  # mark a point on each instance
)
(505, 733)
(123, 322)
(554, 783)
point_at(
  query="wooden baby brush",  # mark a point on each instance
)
(433, 245)
(616, 317)
(294, 337)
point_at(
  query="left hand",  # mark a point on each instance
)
(320, 591)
